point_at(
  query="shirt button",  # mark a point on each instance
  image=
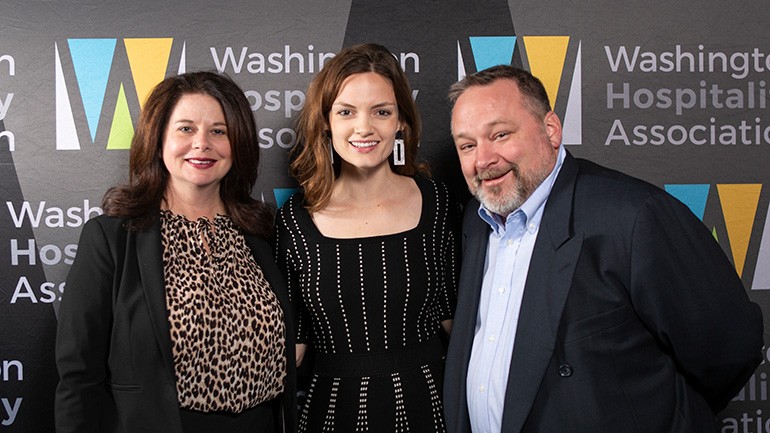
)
(509, 242)
(491, 338)
(501, 290)
(565, 370)
(482, 388)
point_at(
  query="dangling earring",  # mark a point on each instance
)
(399, 156)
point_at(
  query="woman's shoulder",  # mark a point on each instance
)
(290, 209)
(296, 199)
(110, 225)
(106, 222)
(439, 200)
(433, 188)
(101, 234)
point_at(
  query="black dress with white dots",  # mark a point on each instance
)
(371, 309)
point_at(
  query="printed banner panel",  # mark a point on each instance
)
(676, 94)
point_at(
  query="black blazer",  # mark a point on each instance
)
(113, 348)
(632, 320)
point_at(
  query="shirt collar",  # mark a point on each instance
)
(532, 208)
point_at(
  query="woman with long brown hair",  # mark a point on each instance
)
(369, 249)
(175, 317)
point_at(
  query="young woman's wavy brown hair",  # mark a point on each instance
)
(311, 162)
(140, 199)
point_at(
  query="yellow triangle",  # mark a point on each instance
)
(739, 207)
(148, 58)
(546, 56)
(122, 130)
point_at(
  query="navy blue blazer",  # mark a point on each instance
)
(113, 346)
(632, 320)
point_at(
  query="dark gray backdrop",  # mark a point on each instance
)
(47, 191)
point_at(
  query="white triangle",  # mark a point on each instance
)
(182, 59)
(762, 272)
(460, 64)
(66, 133)
(573, 117)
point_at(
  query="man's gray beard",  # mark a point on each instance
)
(504, 204)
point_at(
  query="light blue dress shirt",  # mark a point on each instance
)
(509, 251)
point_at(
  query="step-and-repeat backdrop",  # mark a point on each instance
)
(673, 92)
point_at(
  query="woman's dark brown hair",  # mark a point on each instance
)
(140, 199)
(311, 165)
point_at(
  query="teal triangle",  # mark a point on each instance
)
(491, 51)
(92, 60)
(282, 194)
(692, 195)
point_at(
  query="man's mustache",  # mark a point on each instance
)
(494, 172)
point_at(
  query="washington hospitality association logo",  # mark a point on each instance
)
(92, 62)
(546, 57)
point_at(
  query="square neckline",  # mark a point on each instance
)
(422, 184)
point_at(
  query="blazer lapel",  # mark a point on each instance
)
(149, 256)
(548, 281)
(474, 251)
(475, 241)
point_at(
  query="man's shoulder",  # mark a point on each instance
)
(599, 181)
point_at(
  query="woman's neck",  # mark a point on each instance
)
(193, 206)
(364, 187)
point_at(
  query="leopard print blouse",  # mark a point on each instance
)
(227, 328)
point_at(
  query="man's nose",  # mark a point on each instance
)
(485, 154)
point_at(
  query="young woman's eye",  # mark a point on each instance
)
(383, 113)
(344, 112)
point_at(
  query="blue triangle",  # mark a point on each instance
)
(491, 51)
(282, 194)
(692, 195)
(92, 60)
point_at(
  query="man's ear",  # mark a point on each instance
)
(552, 126)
